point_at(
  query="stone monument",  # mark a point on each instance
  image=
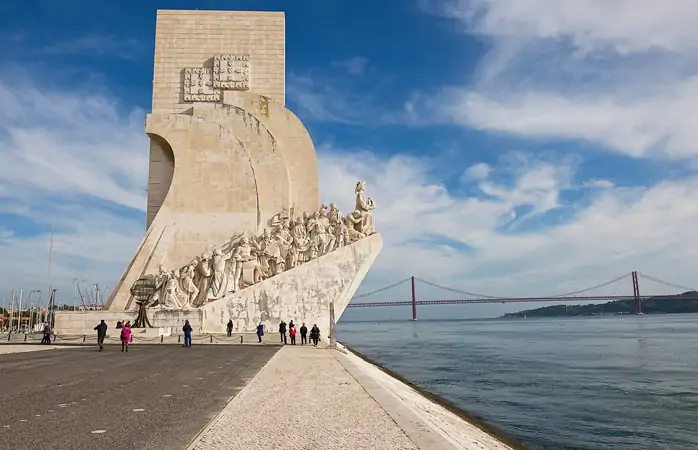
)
(235, 230)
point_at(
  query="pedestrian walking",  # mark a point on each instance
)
(260, 332)
(282, 332)
(101, 334)
(315, 335)
(125, 336)
(187, 333)
(292, 333)
(47, 334)
(304, 334)
(229, 327)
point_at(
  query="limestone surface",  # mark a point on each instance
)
(303, 399)
(302, 294)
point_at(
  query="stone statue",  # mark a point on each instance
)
(173, 294)
(301, 242)
(201, 278)
(187, 284)
(365, 205)
(355, 226)
(285, 241)
(218, 285)
(324, 225)
(269, 255)
(245, 261)
(160, 282)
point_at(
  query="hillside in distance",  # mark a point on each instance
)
(664, 304)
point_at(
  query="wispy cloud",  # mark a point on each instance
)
(112, 46)
(80, 155)
(321, 98)
(619, 73)
(612, 229)
(354, 66)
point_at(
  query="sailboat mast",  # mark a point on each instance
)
(19, 314)
(12, 308)
(50, 256)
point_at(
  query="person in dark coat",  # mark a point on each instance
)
(229, 327)
(260, 332)
(47, 334)
(315, 335)
(101, 334)
(187, 333)
(282, 332)
(304, 334)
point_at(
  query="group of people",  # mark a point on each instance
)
(314, 333)
(125, 337)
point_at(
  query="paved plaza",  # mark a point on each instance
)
(154, 396)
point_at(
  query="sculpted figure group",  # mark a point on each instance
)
(243, 261)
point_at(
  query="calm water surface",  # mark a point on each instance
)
(570, 383)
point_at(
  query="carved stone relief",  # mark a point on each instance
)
(198, 85)
(231, 72)
(246, 260)
(205, 84)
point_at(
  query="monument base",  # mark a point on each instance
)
(302, 294)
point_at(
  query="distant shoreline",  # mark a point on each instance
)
(686, 303)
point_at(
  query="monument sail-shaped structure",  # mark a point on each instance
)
(234, 230)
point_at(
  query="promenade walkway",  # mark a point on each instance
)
(314, 398)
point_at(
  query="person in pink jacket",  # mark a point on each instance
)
(125, 336)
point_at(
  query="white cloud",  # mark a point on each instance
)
(624, 25)
(96, 45)
(620, 73)
(646, 229)
(79, 154)
(598, 184)
(97, 175)
(354, 66)
(647, 125)
(476, 172)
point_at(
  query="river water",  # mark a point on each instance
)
(613, 382)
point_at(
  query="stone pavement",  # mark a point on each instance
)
(312, 398)
(154, 396)
(303, 399)
(138, 338)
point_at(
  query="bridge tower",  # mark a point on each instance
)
(414, 302)
(636, 294)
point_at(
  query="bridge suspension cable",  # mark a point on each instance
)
(382, 289)
(458, 291)
(598, 286)
(666, 283)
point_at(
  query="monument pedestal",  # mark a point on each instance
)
(301, 294)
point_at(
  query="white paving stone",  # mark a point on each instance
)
(303, 399)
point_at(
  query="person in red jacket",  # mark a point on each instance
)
(292, 333)
(125, 336)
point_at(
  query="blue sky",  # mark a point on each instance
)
(515, 147)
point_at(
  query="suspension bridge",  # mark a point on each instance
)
(625, 287)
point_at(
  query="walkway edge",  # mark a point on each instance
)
(423, 432)
(415, 429)
(217, 417)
